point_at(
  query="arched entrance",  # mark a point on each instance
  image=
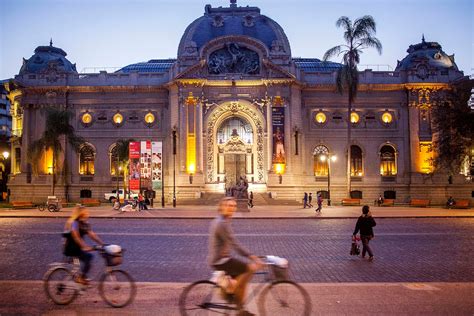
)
(235, 140)
(235, 144)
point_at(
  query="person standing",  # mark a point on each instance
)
(221, 243)
(250, 203)
(305, 200)
(364, 224)
(319, 201)
(380, 200)
(141, 202)
(310, 199)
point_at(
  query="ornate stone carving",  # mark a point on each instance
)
(248, 21)
(424, 97)
(218, 21)
(235, 108)
(234, 59)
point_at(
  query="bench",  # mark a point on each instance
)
(22, 204)
(388, 202)
(90, 202)
(348, 202)
(461, 204)
(419, 203)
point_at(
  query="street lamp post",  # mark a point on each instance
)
(174, 167)
(329, 158)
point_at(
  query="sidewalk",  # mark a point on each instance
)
(266, 211)
(326, 299)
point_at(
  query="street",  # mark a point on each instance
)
(173, 252)
(161, 250)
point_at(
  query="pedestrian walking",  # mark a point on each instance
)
(364, 224)
(319, 201)
(305, 200)
(380, 200)
(141, 202)
(250, 202)
(310, 199)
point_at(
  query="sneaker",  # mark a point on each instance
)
(79, 279)
(371, 258)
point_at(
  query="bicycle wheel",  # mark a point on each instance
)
(117, 288)
(52, 208)
(59, 286)
(284, 298)
(204, 298)
(41, 207)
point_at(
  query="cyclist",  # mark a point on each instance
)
(221, 241)
(75, 229)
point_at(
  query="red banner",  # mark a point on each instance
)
(134, 158)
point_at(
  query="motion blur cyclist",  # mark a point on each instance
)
(76, 228)
(221, 242)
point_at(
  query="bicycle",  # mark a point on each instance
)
(278, 294)
(116, 287)
(41, 207)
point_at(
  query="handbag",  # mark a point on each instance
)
(70, 247)
(355, 248)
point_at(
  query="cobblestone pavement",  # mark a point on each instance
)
(174, 250)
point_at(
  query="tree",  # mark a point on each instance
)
(57, 126)
(454, 129)
(358, 36)
(122, 147)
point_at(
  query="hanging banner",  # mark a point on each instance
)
(156, 165)
(134, 159)
(278, 127)
(145, 165)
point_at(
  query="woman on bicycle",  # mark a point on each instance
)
(75, 229)
(221, 241)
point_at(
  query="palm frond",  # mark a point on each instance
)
(364, 26)
(371, 42)
(336, 50)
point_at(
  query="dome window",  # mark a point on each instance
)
(149, 118)
(118, 119)
(355, 118)
(86, 118)
(387, 118)
(320, 118)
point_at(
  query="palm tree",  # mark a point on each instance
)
(122, 152)
(358, 36)
(57, 126)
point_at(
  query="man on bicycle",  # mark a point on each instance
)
(75, 229)
(221, 242)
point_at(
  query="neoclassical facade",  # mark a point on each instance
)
(239, 105)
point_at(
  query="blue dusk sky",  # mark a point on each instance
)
(115, 33)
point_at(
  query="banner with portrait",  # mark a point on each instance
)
(134, 159)
(156, 165)
(145, 165)
(278, 128)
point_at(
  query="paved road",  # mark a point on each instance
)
(165, 250)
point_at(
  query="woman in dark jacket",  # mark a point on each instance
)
(364, 225)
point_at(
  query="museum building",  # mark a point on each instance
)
(236, 103)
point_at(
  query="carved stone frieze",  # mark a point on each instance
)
(234, 59)
(424, 97)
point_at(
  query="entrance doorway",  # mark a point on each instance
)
(234, 168)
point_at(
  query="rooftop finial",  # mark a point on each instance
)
(423, 38)
(233, 3)
(51, 42)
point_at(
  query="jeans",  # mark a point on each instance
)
(365, 245)
(86, 259)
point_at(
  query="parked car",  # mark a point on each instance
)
(113, 196)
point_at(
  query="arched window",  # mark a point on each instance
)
(388, 165)
(356, 161)
(320, 164)
(235, 126)
(86, 160)
(113, 155)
